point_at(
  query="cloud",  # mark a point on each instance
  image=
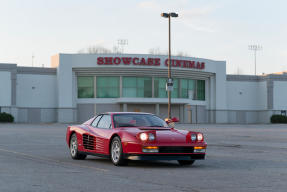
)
(100, 42)
(199, 27)
(198, 12)
(151, 5)
(196, 18)
(199, 19)
(283, 53)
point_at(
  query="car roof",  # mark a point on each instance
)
(111, 113)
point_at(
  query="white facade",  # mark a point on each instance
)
(51, 94)
(68, 65)
(244, 95)
(253, 99)
(28, 93)
(40, 89)
(280, 95)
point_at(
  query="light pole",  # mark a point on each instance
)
(255, 48)
(169, 81)
(122, 43)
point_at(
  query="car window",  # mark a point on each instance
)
(95, 122)
(105, 122)
(138, 120)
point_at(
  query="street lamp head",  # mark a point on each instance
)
(255, 47)
(166, 15)
(173, 14)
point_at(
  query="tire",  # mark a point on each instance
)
(116, 151)
(75, 154)
(185, 162)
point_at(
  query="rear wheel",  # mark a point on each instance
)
(186, 162)
(116, 152)
(74, 148)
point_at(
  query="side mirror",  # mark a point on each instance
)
(174, 119)
(171, 122)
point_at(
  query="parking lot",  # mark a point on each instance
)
(35, 157)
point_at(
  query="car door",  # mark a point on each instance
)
(103, 130)
(89, 138)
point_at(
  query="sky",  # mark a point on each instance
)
(211, 29)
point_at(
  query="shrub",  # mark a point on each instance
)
(278, 119)
(6, 117)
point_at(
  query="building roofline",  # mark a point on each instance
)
(272, 76)
(37, 70)
(7, 66)
(127, 54)
(27, 70)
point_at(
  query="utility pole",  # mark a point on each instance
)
(33, 60)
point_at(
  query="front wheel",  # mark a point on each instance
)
(116, 152)
(74, 148)
(186, 162)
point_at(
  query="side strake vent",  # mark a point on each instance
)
(88, 141)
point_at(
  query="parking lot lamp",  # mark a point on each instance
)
(169, 81)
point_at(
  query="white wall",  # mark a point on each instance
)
(36, 91)
(246, 95)
(280, 95)
(5, 88)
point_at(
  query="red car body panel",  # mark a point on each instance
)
(129, 136)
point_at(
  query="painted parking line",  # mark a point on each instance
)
(49, 160)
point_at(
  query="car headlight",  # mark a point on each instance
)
(151, 137)
(193, 137)
(199, 137)
(143, 136)
(147, 136)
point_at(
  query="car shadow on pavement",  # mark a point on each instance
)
(145, 164)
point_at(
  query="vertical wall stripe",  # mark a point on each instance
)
(270, 87)
(13, 86)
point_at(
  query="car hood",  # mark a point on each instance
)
(163, 135)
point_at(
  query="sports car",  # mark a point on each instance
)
(123, 136)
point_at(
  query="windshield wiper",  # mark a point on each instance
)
(126, 125)
(155, 126)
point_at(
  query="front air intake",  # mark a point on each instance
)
(175, 149)
(88, 141)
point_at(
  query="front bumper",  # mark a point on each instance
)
(195, 156)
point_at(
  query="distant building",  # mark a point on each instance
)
(79, 86)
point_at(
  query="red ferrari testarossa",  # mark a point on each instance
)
(135, 136)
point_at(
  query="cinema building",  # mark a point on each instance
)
(78, 86)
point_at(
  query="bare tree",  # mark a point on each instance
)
(239, 71)
(95, 49)
(116, 49)
(182, 54)
(157, 51)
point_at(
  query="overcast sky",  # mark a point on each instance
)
(212, 29)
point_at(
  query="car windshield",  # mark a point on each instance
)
(138, 120)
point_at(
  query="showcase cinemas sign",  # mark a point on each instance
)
(137, 61)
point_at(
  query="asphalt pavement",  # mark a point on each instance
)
(35, 157)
